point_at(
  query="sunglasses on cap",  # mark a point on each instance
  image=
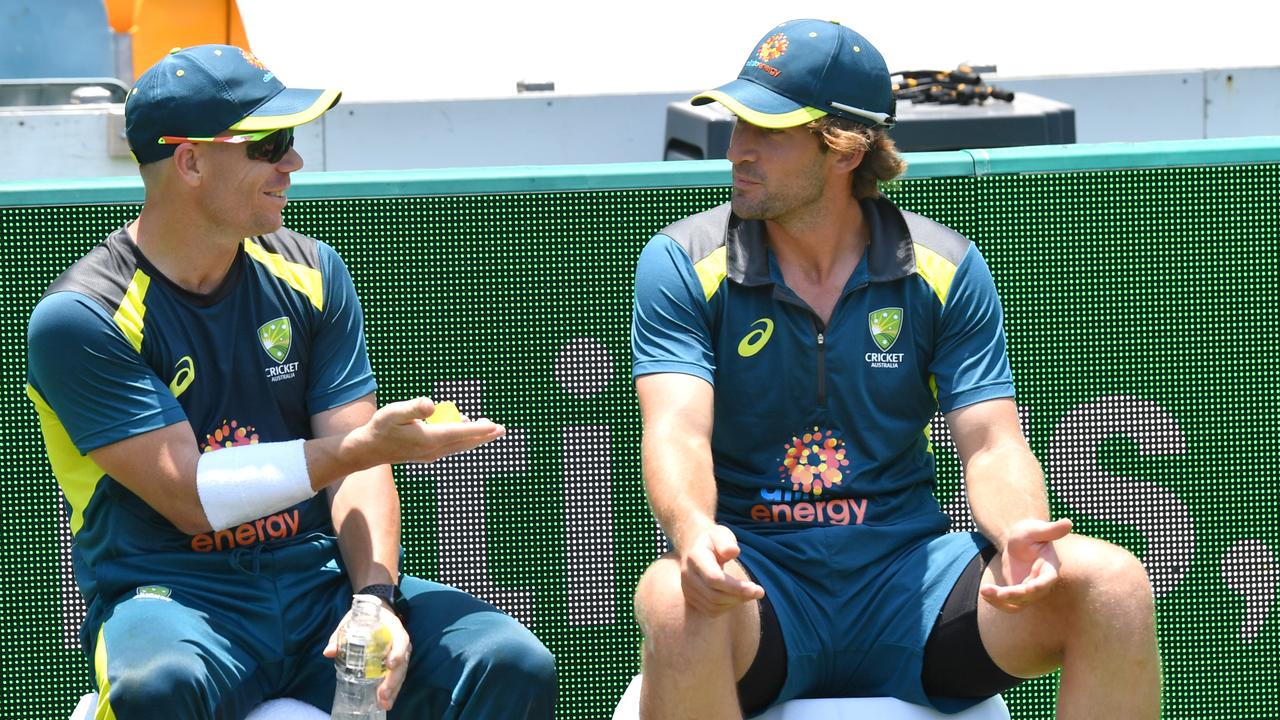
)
(268, 145)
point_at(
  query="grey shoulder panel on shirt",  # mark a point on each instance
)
(700, 234)
(103, 274)
(939, 238)
(292, 246)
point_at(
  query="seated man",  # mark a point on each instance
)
(790, 349)
(209, 411)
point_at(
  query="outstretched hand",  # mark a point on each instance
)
(404, 429)
(1029, 565)
(707, 587)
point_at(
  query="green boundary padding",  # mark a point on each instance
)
(1135, 276)
(694, 173)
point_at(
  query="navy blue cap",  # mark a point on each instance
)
(805, 69)
(206, 90)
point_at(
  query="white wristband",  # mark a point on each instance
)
(243, 483)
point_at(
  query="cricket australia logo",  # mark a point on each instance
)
(276, 337)
(885, 325)
(154, 592)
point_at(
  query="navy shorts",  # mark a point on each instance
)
(213, 636)
(854, 627)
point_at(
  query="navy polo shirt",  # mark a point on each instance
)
(823, 425)
(115, 349)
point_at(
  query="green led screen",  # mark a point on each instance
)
(1141, 310)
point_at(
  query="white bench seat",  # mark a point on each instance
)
(880, 708)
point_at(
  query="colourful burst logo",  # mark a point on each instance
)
(252, 59)
(885, 324)
(813, 462)
(774, 47)
(275, 337)
(229, 434)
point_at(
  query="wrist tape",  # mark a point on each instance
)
(245, 482)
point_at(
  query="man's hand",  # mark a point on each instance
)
(397, 656)
(707, 587)
(401, 432)
(1028, 566)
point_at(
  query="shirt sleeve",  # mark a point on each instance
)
(671, 328)
(97, 384)
(970, 363)
(340, 360)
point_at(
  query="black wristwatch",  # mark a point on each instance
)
(389, 594)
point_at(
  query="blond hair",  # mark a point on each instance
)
(881, 162)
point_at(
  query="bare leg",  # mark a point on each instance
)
(1098, 625)
(691, 661)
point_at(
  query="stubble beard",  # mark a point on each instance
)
(749, 209)
(779, 202)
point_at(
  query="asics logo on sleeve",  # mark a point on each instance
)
(754, 341)
(184, 377)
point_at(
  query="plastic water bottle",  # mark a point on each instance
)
(363, 642)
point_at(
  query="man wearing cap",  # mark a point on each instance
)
(790, 349)
(210, 414)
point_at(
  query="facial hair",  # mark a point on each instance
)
(771, 200)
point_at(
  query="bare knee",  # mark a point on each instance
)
(677, 634)
(661, 610)
(1102, 604)
(1105, 582)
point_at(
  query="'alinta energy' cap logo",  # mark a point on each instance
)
(774, 47)
(255, 62)
(885, 325)
(252, 59)
(275, 336)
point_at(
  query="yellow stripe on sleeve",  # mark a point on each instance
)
(711, 271)
(133, 309)
(936, 270)
(299, 277)
(77, 475)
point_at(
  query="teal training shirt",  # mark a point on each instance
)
(115, 350)
(823, 426)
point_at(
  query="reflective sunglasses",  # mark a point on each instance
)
(268, 145)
